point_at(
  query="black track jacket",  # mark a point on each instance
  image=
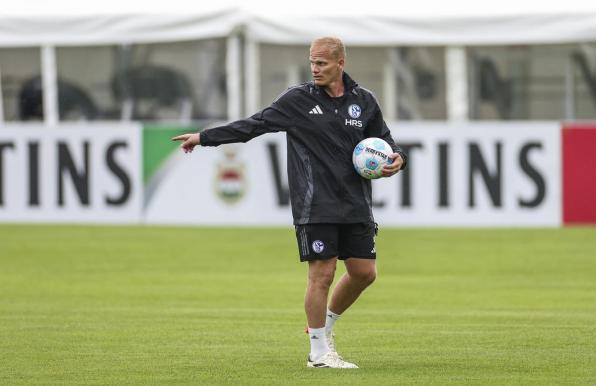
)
(321, 134)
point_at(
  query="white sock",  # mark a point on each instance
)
(330, 320)
(318, 343)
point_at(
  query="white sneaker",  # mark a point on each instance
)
(331, 360)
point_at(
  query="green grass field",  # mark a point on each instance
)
(84, 305)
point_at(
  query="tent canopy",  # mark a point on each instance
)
(390, 31)
(395, 28)
(76, 30)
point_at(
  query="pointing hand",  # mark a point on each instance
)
(189, 141)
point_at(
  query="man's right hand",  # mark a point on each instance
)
(190, 141)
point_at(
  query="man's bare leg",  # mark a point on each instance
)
(360, 274)
(320, 277)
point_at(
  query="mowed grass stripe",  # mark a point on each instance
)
(223, 306)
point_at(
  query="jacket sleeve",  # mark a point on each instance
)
(378, 128)
(270, 120)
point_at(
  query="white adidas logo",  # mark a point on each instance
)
(316, 110)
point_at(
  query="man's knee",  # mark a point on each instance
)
(364, 276)
(321, 273)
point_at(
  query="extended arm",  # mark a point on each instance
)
(270, 120)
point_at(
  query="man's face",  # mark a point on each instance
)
(325, 68)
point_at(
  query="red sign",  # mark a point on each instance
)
(579, 173)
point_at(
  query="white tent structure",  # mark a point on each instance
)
(245, 30)
(539, 28)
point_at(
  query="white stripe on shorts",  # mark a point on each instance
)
(304, 241)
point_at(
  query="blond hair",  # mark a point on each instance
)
(335, 46)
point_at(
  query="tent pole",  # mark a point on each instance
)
(457, 84)
(1, 100)
(569, 101)
(49, 78)
(233, 77)
(252, 78)
(293, 74)
(390, 86)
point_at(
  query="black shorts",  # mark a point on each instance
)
(324, 241)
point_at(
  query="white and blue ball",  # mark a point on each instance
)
(369, 157)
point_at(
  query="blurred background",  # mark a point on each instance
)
(437, 70)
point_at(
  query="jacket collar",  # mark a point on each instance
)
(349, 84)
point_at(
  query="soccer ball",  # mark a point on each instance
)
(369, 157)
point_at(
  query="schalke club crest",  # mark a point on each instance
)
(354, 111)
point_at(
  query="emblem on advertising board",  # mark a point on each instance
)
(230, 179)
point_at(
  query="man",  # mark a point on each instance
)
(331, 204)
